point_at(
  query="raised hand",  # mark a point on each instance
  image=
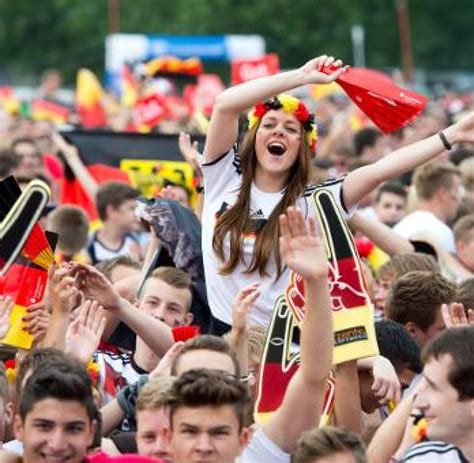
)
(164, 365)
(6, 306)
(189, 149)
(462, 131)
(36, 320)
(85, 332)
(95, 286)
(241, 306)
(312, 70)
(386, 386)
(300, 247)
(63, 290)
(455, 314)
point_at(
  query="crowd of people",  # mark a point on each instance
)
(149, 339)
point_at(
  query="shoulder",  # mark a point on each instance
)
(262, 448)
(434, 451)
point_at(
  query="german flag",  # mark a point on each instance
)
(89, 98)
(45, 110)
(146, 162)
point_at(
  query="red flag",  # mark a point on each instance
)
(245, 70)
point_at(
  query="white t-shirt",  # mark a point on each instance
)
(261, 450)
(222, 181)
(434, 452)
(426, 222)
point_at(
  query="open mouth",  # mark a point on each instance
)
(276, 148)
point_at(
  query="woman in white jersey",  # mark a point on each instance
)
(245, 192)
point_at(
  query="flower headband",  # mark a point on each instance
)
(290, 105)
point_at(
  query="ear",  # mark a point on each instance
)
(8, 412)
(412, 329)
(188, 318)
(244, 438)
(18, 428)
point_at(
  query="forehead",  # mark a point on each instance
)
(280, 116)
(203, 358)
(58, 411)
(155, 418)
(437, 369)
(388, 196)
(161, 289)
(206, 417)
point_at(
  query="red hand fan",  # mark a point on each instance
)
(388, 106)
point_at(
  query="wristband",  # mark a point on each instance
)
(445, 141)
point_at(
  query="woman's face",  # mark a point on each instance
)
(277, 143)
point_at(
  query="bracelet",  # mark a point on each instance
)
(445, 141)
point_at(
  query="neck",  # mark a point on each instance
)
(466, 447)
(268, 182)
(435, 207)
(110, 234)
(144, 357)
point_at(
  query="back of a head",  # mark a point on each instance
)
(417, 297)
(107, 266)
(328, 441)
(398, 346)
(208, 388)
(430, 177)
(458, 343)
(206, 342)
(63, 381)
(406, 262)
(72, 225)
(366, 137)
(465, 294)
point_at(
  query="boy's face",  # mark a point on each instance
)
(390, 208)
(447, 418)
(206, 434)
(56, 431)
(124, 216)
(6, 410)
(152, 426)
(167, 303)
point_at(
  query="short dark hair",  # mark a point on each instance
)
(107, 266)
(202, 387)
(365, 137)
(323, 442)
(113, 194)
(459, 344)
(397, 346)
(207, 342)
(61, 381)
(35, 359)
(465, 293)
(393, 187)
(417, 297)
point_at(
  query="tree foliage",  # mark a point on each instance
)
(66, 34)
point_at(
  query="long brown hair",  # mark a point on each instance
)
(235, 221)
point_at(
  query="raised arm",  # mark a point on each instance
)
(301, 407)
(156, 334)
(362, 181)
(232, 102)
